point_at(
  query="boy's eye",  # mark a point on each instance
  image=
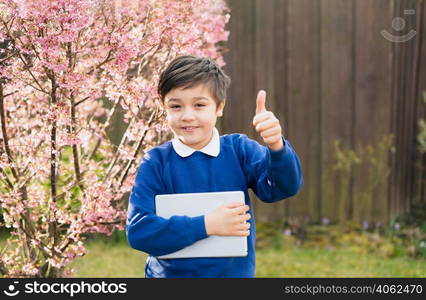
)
(200, 105)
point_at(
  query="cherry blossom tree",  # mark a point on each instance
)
(66, 68)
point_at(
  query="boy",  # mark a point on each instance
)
(193, 91)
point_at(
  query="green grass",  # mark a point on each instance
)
(309, 262)
(109, 257)
(106, 259)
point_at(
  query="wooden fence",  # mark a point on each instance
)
(331, 75)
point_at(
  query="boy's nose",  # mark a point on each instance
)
(188, 114)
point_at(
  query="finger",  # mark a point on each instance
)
(267, 124)
(260, 102)
(263, 116)
(272, 140)
(243, 219)
(242, 233)
(234, 205)
(271, 132)
(241, 210)
(243, 226)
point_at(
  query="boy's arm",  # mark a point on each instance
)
(150, 233)
(274, 171)
(272, 175)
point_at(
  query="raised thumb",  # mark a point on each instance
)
(260, 102)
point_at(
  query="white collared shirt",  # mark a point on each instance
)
(212, 148)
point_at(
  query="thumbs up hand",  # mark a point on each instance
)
(267, 124)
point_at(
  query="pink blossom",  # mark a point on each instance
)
(77, 59)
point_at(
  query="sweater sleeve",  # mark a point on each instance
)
(150, 233)
(272, 175)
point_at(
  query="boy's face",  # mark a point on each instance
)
(191, 114)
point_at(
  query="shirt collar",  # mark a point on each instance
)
(212, 148)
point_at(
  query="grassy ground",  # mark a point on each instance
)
(106, 259)
(114, 258)
(305, 262)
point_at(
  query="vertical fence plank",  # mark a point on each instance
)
(372, 96)
(280, 73)
(405, 100)
(395, 177)
(239, 109)
(410, 59)
(304, 107)
(419, 181)
(337, 72)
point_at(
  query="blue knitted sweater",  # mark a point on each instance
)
(242, 164)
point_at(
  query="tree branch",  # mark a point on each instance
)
(106, 60)
(9, 183)
(104, 126)
(4, 96)
(139, 146)
(15, 172)
(74, 146)
(7, 57)
(81, 101)
(21, 58)
(53, 189)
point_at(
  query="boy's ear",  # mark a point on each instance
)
(220, 107)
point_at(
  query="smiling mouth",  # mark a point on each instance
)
(189, 127)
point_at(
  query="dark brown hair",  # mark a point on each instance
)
(188, 71)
